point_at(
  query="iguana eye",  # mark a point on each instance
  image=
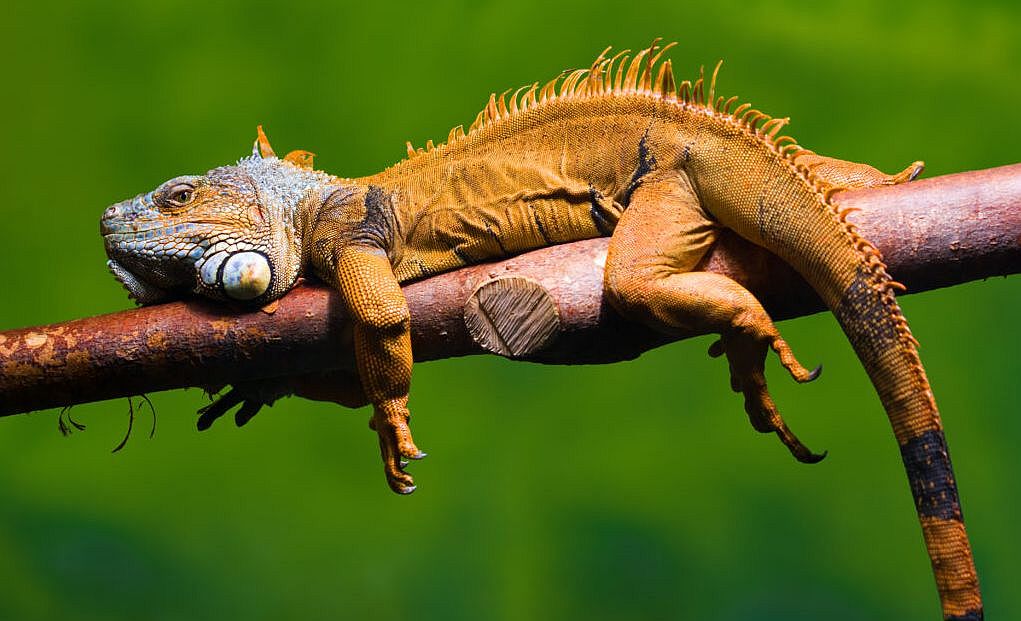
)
(180, 194)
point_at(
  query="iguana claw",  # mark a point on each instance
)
(789, 362)
(247, 411)
(390, 421)
(251, 395)
(746, 353)
(216, 409)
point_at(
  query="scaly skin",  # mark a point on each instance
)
(614, 150)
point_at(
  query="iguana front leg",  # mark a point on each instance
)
(382, 336)
(660, 238)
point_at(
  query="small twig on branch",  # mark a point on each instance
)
(933, 233)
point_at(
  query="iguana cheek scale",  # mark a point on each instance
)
(618, 149)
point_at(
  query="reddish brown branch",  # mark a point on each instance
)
(933, 233)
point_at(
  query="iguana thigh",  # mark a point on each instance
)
(661, 237)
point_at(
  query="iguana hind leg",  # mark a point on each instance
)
(661, 236)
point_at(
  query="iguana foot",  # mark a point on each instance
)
(336, 386)
(908, 174)
(390, 421)
(251, 397)
(745, 347)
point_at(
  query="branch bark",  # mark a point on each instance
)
(933, 233)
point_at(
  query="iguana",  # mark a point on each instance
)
(619, 149)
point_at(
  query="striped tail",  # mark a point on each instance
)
(872, 320)
(851, 278)
(855, 285)
(792, 215)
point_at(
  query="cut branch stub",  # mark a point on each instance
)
(512, 316)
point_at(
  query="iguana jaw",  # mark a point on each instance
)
(138, 290)
(144, 252)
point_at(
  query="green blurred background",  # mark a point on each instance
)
(628, 492)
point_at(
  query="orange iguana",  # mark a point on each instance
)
(618, 150)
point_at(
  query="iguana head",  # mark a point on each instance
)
(233, 233)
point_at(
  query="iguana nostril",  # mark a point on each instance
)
(106, 221)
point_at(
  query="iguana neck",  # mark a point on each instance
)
(288, 191)
(295, 197)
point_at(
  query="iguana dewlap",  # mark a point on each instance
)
(618, 149)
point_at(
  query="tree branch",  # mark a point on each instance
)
(933, 233)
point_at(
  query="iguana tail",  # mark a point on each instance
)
(873, 322)
(791, 214)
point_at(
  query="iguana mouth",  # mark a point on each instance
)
(142, 292)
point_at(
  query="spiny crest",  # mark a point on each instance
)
(648, 73)
(262, 149)
(803, 162)
(280, 182)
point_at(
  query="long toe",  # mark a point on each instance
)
(801, 452)
(392, 449)
(789, 362)
(216, 409)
